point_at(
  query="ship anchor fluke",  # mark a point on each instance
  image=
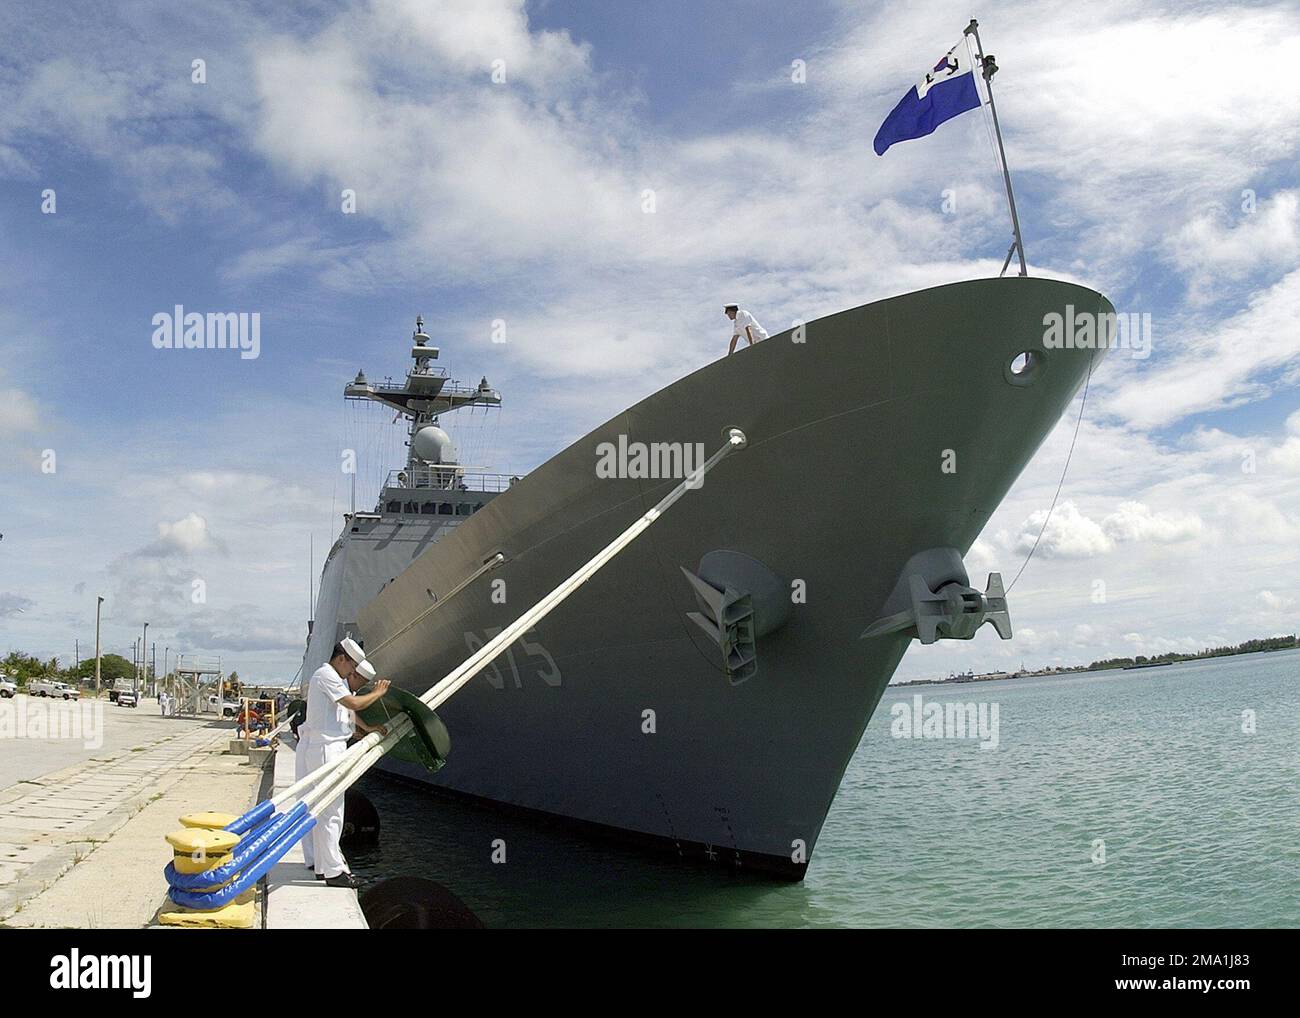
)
(740, 600)
(933, 597)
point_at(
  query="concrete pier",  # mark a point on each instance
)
(84, 812)
(82, 845)
(295, 899)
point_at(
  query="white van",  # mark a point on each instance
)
(48, 687)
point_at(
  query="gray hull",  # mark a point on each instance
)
(842, 482)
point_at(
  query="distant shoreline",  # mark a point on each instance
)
(1260, 646)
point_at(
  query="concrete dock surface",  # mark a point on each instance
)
(30, 754)
(81, 843)
(88, 793)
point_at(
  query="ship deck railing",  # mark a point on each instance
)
(448, 478)
(447, 389)
(388, 385)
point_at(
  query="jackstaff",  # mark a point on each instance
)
(945, 91)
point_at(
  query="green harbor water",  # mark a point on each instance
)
(1198, 820)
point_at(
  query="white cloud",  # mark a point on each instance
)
(1219, 247)
(1133, 521)
(20, 420)
(1276, 602)
(1286, 455)
(185, 536)
(981, 560)
(1084, 636)
(1225, 365)
(1068, 534)
(239, 628)
(460, 171)
(1258, 518)
(469, 35)
(1071, 534)
(18, 413)
(108, 109)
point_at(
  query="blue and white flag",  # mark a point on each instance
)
(942, 94)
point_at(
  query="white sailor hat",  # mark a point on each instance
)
(728, 307)
(366, 670)
(352, 649)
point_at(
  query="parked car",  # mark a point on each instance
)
(223, 707)
(126, 698)
(118, 686)
(43, 687)
(7, 687)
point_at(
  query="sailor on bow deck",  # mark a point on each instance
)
(331, 699)
(743, 324)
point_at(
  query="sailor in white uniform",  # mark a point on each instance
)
(329, 725)
(743, 324)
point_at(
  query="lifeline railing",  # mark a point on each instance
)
(422, 481)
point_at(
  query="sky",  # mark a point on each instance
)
(1154, 153)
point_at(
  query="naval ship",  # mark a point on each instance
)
(704, 693)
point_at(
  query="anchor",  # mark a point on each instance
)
(933, 596)
(741, 600)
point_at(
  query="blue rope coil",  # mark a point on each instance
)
(266, 836)
(251, 875)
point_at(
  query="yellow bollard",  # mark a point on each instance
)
(208, 820)
(238, 915)
(199, 847)
(196, 849)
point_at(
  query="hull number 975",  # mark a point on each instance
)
(535, 660)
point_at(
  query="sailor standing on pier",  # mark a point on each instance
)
(329, 725)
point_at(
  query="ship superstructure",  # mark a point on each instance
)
(418, 504)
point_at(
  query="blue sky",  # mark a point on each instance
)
(1133, 135)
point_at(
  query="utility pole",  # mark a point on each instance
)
(144, 646)
(153, 666)
(98, 603)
